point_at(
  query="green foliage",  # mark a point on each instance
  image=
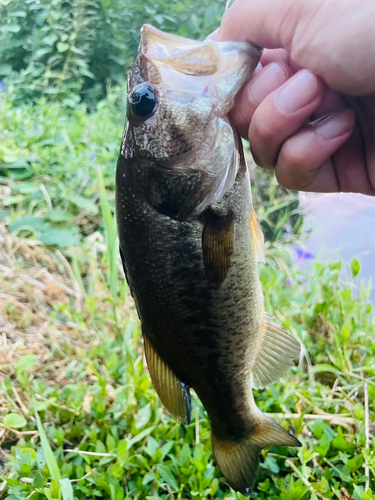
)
(277, 208)
(49, 160)
(109, 437)
(48, 164)
(73, 49)
(14, 421)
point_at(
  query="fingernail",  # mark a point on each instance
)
(269, 80)
(258, 68)
(334, 125)
(298, 92)
(213, 35)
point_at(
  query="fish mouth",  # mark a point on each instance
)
(189, 57)
(215, 69)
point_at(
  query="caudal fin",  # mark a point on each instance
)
(239, 461)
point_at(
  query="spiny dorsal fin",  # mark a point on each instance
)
(217, 245)
(238, 461)
(258, 237)
(276, 354)
(174, 395)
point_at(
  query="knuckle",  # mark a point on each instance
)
(262, 130)
(286, 180)
(260, 159)
(290, 166)
(240, 119)
(294, 157)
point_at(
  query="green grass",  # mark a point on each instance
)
(73, 357)
(49, 158)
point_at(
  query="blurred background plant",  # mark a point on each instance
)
(72, 50)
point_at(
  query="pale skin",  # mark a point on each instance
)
(309, 109)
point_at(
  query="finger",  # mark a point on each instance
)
(333, 101)
(304, 160)
(279, 55)
(282, 114)
(365, 113)
(350, 165)
(370, 137)
(255, 91)
(275, 55)
(213, 35)
(338, 51)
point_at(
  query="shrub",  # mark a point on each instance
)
(77, 49)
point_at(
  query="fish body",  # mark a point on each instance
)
(190, 244)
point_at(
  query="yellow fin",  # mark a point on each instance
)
(217, 245)
(258, 237)
(238, 461)
(174, 395)
(277, 352)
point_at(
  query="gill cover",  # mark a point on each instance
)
(180, 92)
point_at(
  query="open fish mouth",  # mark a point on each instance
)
(215, 69)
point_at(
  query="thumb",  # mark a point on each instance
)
(333, 39)
(269, 23)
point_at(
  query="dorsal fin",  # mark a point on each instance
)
(277, 352)
(258, 237)
(174, 395)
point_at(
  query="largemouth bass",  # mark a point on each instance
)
(190, 244)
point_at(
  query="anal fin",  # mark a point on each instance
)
(258, 237)
(277, 352)
(174, 395)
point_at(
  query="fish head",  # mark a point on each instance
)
(179, 94)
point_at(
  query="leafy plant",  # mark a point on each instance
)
(110, 438)
(72, 49)
(277, 208)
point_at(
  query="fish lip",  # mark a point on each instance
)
(163, 35)
(157, 47)
(166, 59)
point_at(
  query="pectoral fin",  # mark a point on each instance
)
(217, 245)
(174, 395)
(258, 237)
(277, 352)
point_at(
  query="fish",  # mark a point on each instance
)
(190, 244)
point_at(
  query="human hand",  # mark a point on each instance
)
(309, 110)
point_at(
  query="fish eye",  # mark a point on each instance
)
(142, 101)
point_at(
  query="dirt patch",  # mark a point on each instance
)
(34, 283)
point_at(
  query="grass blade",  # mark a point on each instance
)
(66, 489)
(48, 453)
(109, 223)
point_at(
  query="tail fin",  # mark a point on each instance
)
(239, 461)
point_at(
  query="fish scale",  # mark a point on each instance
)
(190, 243)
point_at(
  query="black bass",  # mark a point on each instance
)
(190, 243)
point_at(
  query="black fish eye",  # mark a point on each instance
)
(142, 101)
